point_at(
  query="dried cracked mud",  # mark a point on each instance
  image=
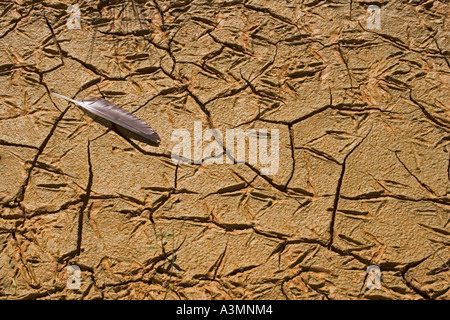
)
(363, 179)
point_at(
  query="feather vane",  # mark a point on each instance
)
(109, 111)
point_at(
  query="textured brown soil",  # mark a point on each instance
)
(363, 116)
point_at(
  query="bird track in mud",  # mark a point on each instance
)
(364, 176)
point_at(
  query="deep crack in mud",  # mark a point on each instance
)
(364, 165)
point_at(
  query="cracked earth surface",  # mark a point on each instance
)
(364, 122)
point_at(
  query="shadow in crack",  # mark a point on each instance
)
(130, 134)
(121, 131)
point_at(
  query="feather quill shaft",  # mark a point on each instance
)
(109, 111)
(61, 96)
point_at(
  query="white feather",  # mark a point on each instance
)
(109, 111)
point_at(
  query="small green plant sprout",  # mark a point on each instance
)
(162, 243)
(15, 286)
(161, 239)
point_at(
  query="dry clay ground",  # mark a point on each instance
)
(363, 117)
